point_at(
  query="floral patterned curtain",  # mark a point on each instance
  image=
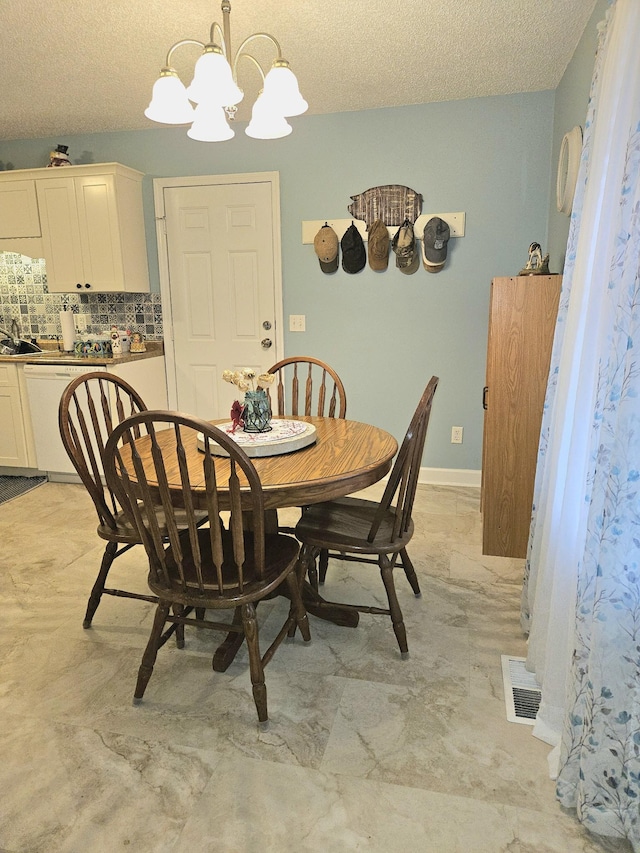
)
(581, 598)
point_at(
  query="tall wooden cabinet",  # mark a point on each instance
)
(522, 317)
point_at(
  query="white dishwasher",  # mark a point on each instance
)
(45, 384)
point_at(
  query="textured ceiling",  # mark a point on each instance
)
(77, 66)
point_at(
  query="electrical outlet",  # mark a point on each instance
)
(81, 321)
(297, 322)
(456, 435)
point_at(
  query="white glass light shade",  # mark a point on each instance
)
(213, 82)
(210, 124)
(169, 102)
(265, 123)
(281, 89)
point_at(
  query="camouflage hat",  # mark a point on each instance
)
(326, 245)
(405, 248)
(378, 245)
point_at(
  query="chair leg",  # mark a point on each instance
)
(300, 572)
(297, 606)
(151, 651)
(410, 572)
(98, 587)
(255, 664)
(310, 568)
(178, 610)
(386, 571)
(323, 565)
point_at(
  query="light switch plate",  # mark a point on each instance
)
(297, 322)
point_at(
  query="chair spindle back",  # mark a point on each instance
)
(400, 490)
(307, 386)
(140, 473)
(90, 407)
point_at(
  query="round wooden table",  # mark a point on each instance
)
(347, 456)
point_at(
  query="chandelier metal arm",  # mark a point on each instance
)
(179, 44)
(240, 52)
(224, 38)
(253, 59)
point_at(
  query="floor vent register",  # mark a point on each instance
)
(522, 693)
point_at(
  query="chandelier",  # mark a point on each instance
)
(215, 93)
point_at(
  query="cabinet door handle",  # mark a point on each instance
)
(484, 396)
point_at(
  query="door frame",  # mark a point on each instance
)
(159, 186)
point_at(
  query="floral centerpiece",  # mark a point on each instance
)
(254, 415)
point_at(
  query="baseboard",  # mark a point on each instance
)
(450, 477)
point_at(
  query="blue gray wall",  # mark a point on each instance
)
(385, 333)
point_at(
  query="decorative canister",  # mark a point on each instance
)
(257, 411)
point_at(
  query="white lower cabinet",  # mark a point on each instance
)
(16, 439)
(45, 386)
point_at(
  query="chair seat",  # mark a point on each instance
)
(123, 531)
(281, 552)
(344, 525)
(127, 534)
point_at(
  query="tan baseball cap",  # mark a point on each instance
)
(378, 245)
(326, 245)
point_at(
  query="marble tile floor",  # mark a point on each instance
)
(365, 752)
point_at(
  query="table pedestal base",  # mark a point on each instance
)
(314, 604)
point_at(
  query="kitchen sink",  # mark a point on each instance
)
(19, 347)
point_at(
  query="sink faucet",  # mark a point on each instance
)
(15, 329)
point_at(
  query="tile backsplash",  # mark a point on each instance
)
(24, 297)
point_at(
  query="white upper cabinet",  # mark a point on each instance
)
(92, 226)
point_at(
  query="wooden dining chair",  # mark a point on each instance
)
(366, 531)
(204, 568)
(306, 386)
(90, 407)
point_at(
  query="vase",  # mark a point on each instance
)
(257, 411)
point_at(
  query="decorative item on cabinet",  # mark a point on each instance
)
(536, 265)
(59, 157)
(522, 321)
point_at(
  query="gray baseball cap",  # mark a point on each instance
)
(435, 238)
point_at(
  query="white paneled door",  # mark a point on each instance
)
(223, 271)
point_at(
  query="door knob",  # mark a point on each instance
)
(266, 343)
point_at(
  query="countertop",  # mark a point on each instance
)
(51, 355)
